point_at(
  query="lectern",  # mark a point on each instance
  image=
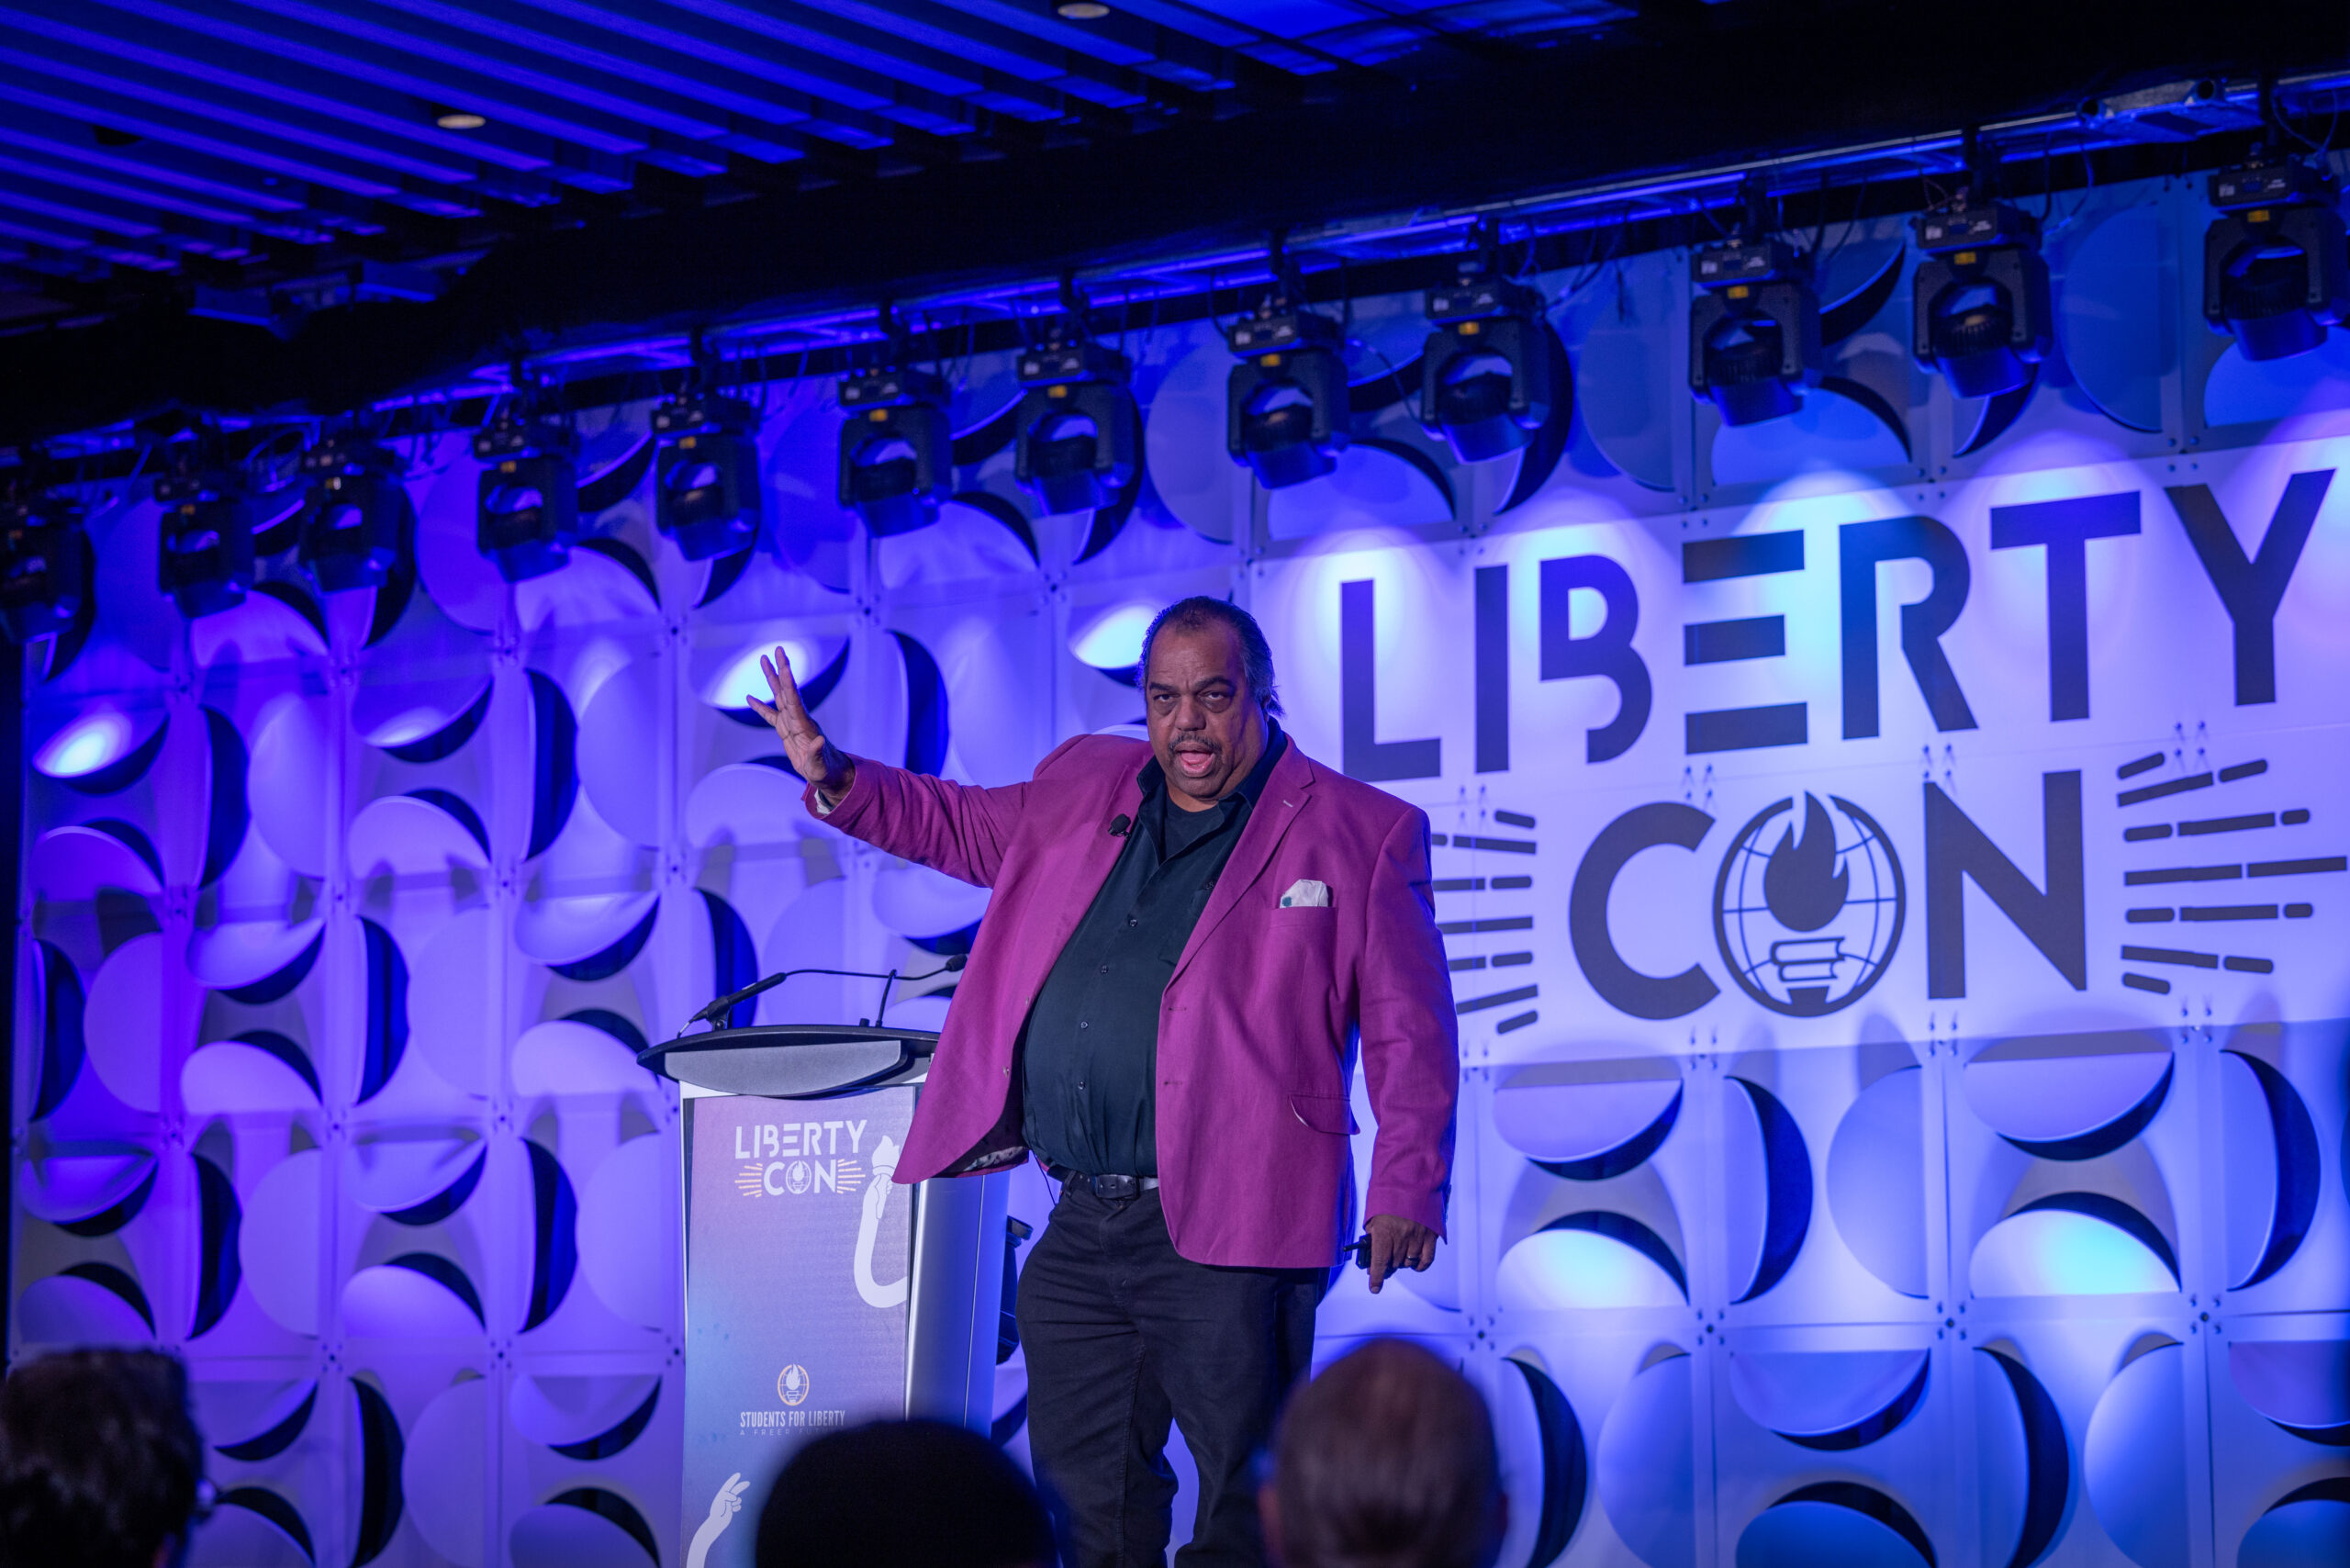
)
(818, 1293)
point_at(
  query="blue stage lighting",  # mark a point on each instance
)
(706, 495)
(1981, 312)
(1078, 430)
(1286, 412)
(356, 518)
(897, 449)
(45, 563)
(204, 544)
(1753, 330)
(1485, 374)
(2275, 267)
(527, 514)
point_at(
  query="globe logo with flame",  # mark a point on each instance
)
(1809, 915)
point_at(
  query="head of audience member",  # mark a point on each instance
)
(903, 1495)
(1385, 1461)
(100, 1461)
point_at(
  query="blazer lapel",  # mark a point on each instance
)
(1289, 791)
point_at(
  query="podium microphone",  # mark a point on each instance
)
(726, 1004)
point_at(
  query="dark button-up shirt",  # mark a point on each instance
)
(1090, 1051)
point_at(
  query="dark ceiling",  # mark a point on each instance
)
(254, 204)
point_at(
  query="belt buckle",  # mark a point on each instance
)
(1107, 1188)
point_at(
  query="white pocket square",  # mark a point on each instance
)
(1306, 893)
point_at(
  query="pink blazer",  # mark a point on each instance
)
(1261, 1020)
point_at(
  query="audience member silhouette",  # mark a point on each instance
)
(100, 1463)
(903, 1495)
(1385, 1461)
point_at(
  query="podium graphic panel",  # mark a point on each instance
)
(798, 1253)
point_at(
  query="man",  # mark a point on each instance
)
(100, 1463)
(903, 1495)
(1386, 1460)
(1186, 942)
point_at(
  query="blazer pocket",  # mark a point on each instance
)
(1330, 1114)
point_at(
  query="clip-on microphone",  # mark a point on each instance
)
(1120, 824)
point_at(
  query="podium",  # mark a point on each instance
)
(819, 1295)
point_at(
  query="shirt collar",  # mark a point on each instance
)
(1153, 778)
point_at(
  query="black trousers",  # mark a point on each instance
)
(1124, 1336)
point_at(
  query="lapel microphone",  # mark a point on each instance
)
(1119, 824)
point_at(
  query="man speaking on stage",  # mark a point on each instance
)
(1187, 943)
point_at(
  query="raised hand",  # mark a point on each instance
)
(817, 760)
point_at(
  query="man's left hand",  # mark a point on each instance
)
(1397, 1243)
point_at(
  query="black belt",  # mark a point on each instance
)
(1109, 1189)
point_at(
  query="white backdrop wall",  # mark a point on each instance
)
(1891, 862)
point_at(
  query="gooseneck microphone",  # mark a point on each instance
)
(1119, 824)
(726, 1004)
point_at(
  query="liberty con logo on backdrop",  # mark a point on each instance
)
(1809, 904)
(791, 1384)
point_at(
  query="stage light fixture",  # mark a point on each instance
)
(204, 542)
(1287, 417)
(1485, 374)
(1078, 434)
(527, 513)
(1753, 330)
(897, 447)
(1980, 312)
(356, 517)
(45, 564)
(706, 495)
(2275, 267)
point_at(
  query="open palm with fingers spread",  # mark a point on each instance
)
(818, 760)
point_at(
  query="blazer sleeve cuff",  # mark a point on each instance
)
(1422, 1208)
(852, 808)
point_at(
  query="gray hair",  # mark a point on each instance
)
(1198, 612)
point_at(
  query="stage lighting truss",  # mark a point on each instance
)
(2275, 267)
(205, 541)
(1486, 372)
(1980, 298)
(1078, 434)
(1753, 330)
(356, 517)
(706, 495)
(527, 512)
(1287, 417)
(45, 565)
(896, 448)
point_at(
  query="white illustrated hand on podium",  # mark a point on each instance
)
(869, 1229)
(723, 1509)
